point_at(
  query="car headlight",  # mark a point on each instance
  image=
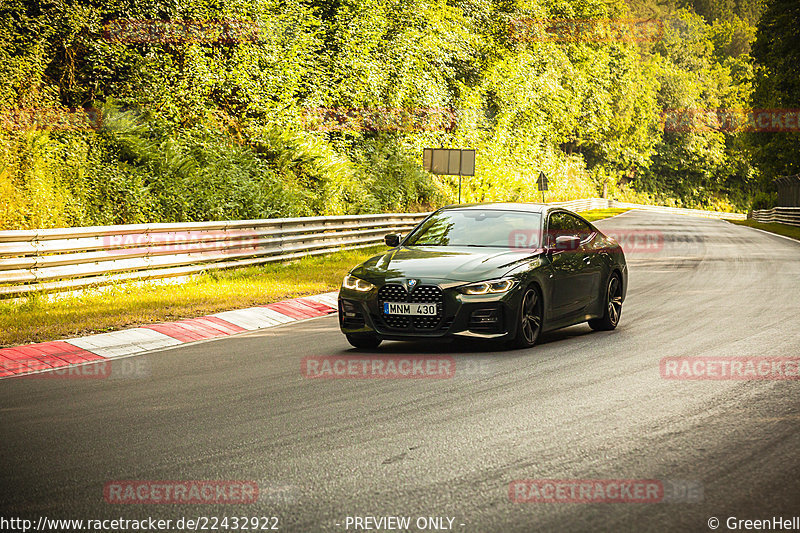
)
(488, 287)
(355, 284)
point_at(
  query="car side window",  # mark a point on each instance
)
(581, 228)
(557, 226)
(561, 223)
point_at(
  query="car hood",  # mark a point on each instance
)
(455, 263)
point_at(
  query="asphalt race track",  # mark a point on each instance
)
(580, 405)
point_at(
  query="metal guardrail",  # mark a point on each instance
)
(782, 215)
(73, 258)
(601, 203)
(680, 210)
(584, 204)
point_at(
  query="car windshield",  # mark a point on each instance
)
(472, 227)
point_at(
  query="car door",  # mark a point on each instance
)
(589, 262)
(566, 267)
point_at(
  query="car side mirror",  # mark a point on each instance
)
(567, 242)
(392, 240)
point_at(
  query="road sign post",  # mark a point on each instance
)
(542, 183)
(460, 159)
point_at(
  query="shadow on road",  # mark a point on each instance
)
(471, 346)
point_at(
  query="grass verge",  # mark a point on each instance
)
(597, 214)
(40, 318)
(781, 229)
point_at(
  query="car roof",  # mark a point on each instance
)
(514, 206)
(503, 206)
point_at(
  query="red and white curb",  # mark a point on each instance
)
(33, 358)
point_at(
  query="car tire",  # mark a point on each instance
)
(363, 341)
(612, 309)
(529, 319)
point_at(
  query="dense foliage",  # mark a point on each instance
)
(204, 129)
(777, 85)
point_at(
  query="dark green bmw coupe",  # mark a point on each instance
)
(504, 272)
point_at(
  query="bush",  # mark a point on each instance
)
(764, 200)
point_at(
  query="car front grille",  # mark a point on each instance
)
(422, 294)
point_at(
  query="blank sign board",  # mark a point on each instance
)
(449, 161)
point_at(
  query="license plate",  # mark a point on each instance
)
(399, 308)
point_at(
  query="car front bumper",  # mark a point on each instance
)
(491, 316)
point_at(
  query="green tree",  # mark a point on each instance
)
(776, 55)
